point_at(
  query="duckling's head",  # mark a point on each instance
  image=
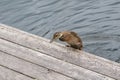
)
(56, 36)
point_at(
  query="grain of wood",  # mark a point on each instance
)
(49, 62)
(80, 58)
(7, 74)
(29, 69)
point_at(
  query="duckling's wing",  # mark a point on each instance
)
(73, 33)
(76, 36)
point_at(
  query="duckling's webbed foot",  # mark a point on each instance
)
(68, 46)
(80, 47)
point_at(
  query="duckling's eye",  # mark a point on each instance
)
(55, 35)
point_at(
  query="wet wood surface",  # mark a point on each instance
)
(34, 57)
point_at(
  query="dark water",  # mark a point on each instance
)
(96, 21)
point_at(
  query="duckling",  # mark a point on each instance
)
(69, 37)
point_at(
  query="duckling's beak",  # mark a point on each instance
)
(52, 40)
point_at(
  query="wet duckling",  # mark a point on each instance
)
(71, 38)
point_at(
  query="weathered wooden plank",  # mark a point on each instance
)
(79, 58)
(41, 59)
(29, 69)
(7, 74)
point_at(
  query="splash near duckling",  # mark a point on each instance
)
(69, 37)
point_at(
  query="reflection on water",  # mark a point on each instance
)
(96, 21)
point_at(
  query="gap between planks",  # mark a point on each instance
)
(8, 74)
(29, 69)
(41, 59)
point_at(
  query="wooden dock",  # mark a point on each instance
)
(25, 56)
